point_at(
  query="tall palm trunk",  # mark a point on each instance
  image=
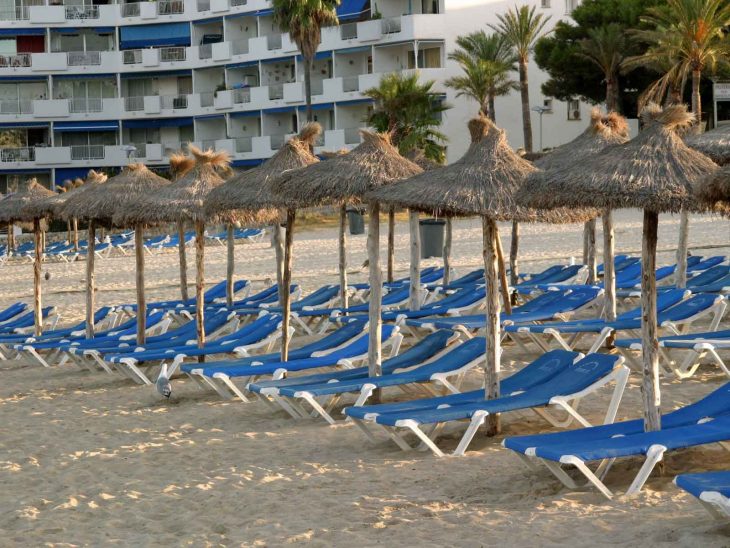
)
(525, 97)
(611, 93)
(696, 100)
(308, 62)
(492, 112)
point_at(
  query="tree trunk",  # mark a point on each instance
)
(609, 274)
(491, 376)
(343, 257)
(141, 305)
(286, 281)
(682, 248)
(503, 283)
(514, 249)
(696, 98)
(37, 305)
(391, 243)
(90, 280)
(589, 250)
(200, 284)
(611, 93)
(308, 62)
(376, 290)
(279, 251)
(76, 233)
(525, 97)
(11, 237)
(414, 299)
(68, 231)
(447, 252)
(649, 341)
(492, 112)
(183, 261)
(230, 264)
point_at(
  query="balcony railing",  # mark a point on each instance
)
(132, 56)
(348, 31)
(133, 104)
(172, 54)
(171, 148)
(351, 83)
(139, 151)
(276, 92)
(317, 87)
(17, 60)
(391, 25)
(237, 3)
(277, 141)
(239, 47)
(241, 96)
(130, 10)
(207, 144)
(352, 136)
(174, 102)
(18, 13)
(244, 144)
(81, 11)
(170, 7)
(23, 154)
(203, 5)
(81, 58)
(85, 104)
(273, 41)
(207, 99)
(87, 152)
(16, 106)
(205, 51)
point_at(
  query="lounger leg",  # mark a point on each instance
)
(317, 407)
(222, 391)
(365, 392)
(527, 461)
(292, 408)
(195, 378)
(718, 360)
(653, 456)
(587, 472)
(232, 387)
(139, 377)
(560, 474)
(600, 339)
(37, 356)
(477, 419)
(365, 430)
(403, 444)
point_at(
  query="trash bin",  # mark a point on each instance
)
(356, 220)
(432, 237)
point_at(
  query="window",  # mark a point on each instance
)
(545, 4)
(427, 58)
(573, 110)
(548, 105)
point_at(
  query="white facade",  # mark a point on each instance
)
(87, 86)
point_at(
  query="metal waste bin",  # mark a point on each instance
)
(356, 220)
(432, 237)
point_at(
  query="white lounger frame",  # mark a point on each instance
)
(717, 504)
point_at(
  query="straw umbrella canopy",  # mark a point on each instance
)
(714, 191)
(655, 172)
(98, 204)
(374, 163)
(482, 182)
(181, 202)
(180, 164)
(247, 198)
(604, 130)
(13, 209)
(714, 143)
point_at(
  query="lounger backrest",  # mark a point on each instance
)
(577, 377)
(715, 404)
(359, 344)
(464, 296)
(394, 297)
(420, 352)
(690, 307)
(334, 339)
(664, 300)
(539, 371)
(563, 275)
(320, 295)
(709, 276)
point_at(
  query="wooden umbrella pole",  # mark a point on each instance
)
(11, 237)
(391, 244)
(286, 282)
(375, 326)
(279, 254)
(182, 253)
(589, 251)
(343, 256)
(141, 305)
(230, 264)
(68, 231)
(447, 252)
(514, 248)
(609, 272)
(75, 223)
(649, 342)
(90, 281)
(682, 248)
(37, 307)
(504, 286)
(490, 248)
(200, 284)
(414, 299)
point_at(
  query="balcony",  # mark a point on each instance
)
(273, 42)
(19, 106)
(239, 47)
(276, 92)
(14, 155)
(205, 51)
(85, 105)
(170, 7)
(243, 145)
(81, 12)
(17, 60)
(132, 56)
(241, 96)
(348, 31)
(350, 84)
(174, 102)
(83, 58)
(277, 141)
(173, 54)
(130, 10)
(87, 152)
(19, 13)
(134, 104)
(151, 10)
(207, 99)
(392, 25)
(352, 136)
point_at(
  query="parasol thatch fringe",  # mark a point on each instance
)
(180, 164)
(418, 157)
(714, 143)
(18, 207)
(714, 191)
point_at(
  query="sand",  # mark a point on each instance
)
(89, 459)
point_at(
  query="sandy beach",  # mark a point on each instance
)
(89, 459)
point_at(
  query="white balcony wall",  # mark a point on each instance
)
(49, 62)
(221, 51)
(114, 155)
(223, 100)
(51, 108)
(148, 10)
(39, 15)
(294, 92)
(52, 155)
(258, 48)
(219, 6)
(150, 57)
(244, 127)
(334, 139)
(152, 104)
(228, 145)
(369, 31)
(154, 152)
(261, 147)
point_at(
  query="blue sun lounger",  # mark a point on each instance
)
(429, 275)
(268, 296)
(673, 313)
(345, 355)
(712, 489)
(11, 312)
(704, 264)
(319, 298)
(558, 379)
(551, 277)
(619, 263)
(706, 278)
(430, 361)
(211, 295)
(24, 323)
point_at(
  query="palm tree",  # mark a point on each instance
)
(486, 60)
(303, 20)
(521, 27)
(605, 47)
(410, 111)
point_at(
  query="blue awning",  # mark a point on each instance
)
(247, 163)
(211, 117)
(209, 20)
(246, 114)
(351, 9)
(247, 64)
(359, 49)
(237, 15)
(71, 127)
(278, 110)
(22, 171)
(145, 36)
(279, 60)
(66, 30)
(149, 123)
(318, 56)
(262, 13)
(104, 30)
(64, 173)
(22, 32)
(320, 106)
(132, 75)
(83, 76)
(17, 79)
(354, 102)
(20, 125)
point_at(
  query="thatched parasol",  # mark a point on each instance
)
(98, 204)
(604, 130)
(13, 209)
(654, 172)
(715, 190)
(248, 199)
(344, 179)
(482, 182)
(714, 143)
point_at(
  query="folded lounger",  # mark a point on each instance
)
(712, 489)
(320, 298)
(429, 275)
(267, 296)
(619, 263)
(24, 323)
(431, 360)
(673, 314)
(704, 264)
(555, 378)
(355, 350)
(705, 278)
(211, 295)
(558, 277)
